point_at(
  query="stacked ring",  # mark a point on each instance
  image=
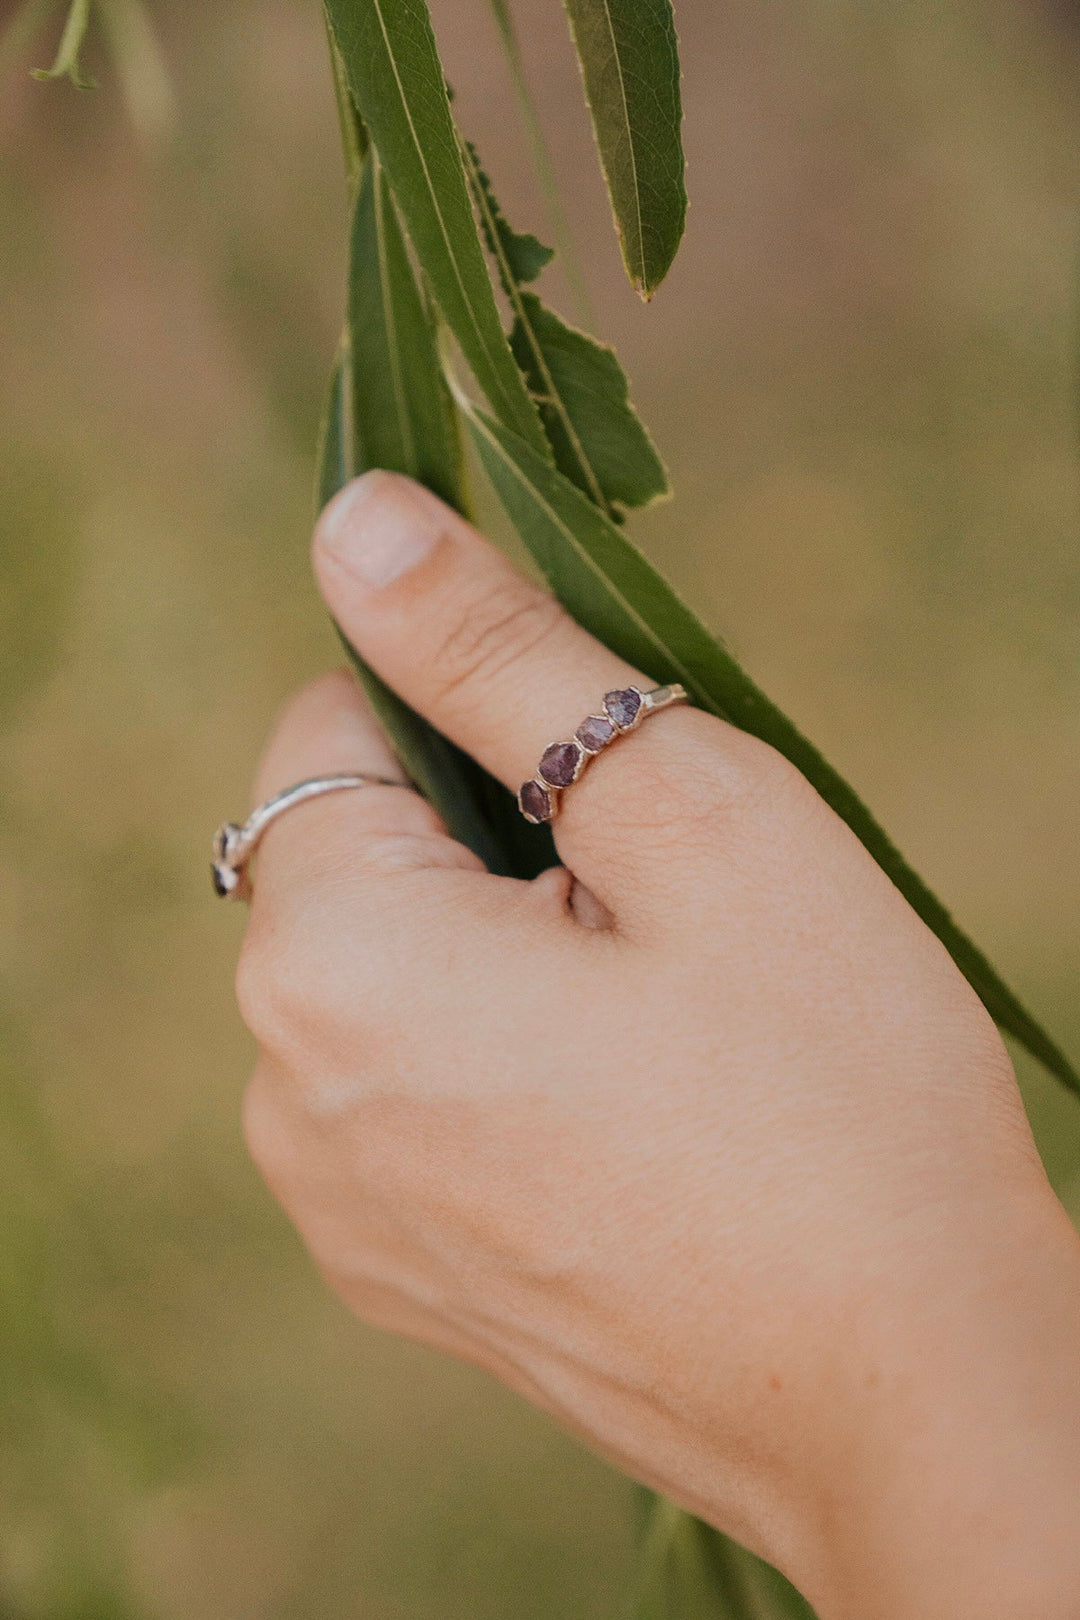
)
(562, 763)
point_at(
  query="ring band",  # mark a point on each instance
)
(235, 844)
(562, 763)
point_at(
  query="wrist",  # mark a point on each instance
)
(953, 1481)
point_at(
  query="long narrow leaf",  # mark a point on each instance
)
(403, 418)
(388, 406)
(334, 458)
(354, 141)
(466, 798)
(676, 1578)
(760, 1591)
(609, 587)
(686, 1570)
(395, 75)
(629, 58)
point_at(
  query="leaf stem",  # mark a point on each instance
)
(67, 64)
(540, 152)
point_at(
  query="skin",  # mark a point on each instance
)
(700, 1141)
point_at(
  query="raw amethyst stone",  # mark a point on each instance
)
(560, 763)
(595, 733)
(623, 706)
(536, 802)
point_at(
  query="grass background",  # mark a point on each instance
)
(863, 374)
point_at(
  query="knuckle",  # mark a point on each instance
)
(739, 786)
(510, 621)
(753, 774)
(690, 780)
(675, 807)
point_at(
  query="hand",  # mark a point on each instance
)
(701, 1142)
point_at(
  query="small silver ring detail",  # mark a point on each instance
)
(235, 843)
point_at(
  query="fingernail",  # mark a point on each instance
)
(379, 527)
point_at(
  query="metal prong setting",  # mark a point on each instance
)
(563, 762)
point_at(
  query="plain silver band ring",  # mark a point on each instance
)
(234, 844)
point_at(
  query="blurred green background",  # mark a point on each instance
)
(863, 373)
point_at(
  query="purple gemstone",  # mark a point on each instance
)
(623, 706)
(560, 763)
(595, 733)
(536, 802)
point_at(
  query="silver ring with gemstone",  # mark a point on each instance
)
(562, 763)
(234, 844)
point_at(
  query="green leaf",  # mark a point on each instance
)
(464, 796)
(581, 390)
(523, 254)
(354, 141)
(67, 64)
(629, 58)
(688, 1571)
(447, 778)
(758, 1591)
(333, 459)
(675, 1578)
(402, 416)
(395, 75)
(405, 391)
(610, 588)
